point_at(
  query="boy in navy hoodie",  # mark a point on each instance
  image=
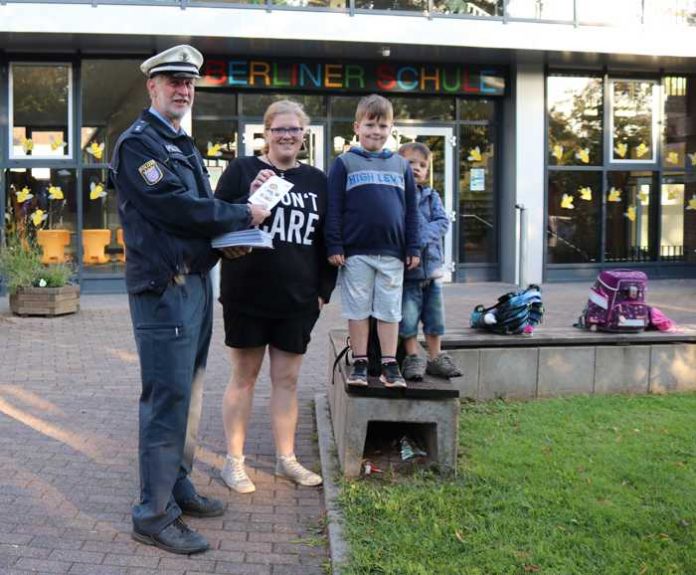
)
(422, 300)
(372, 229)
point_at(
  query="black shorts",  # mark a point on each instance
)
(286, 334)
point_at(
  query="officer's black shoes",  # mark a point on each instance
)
(176, 537)
(200, 506)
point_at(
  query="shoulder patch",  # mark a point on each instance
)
(151, 172)
(140, 126)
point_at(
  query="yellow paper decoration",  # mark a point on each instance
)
(38, 217)
(671, 194)
(621, 149)
(475, 155)
(586, 193)
(673, 158)
(59, 143)
(692, 157)
(23, 195)
(567, 202)
(96, 149)
(692, 203)
(214, 150)
(644, 198)
(641, 150)
(96, 191)
(557, 152)
(583, 155)
(631, 213)
(27, 145)
(614, 195)
(55, 193)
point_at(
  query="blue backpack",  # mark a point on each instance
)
(517, 312)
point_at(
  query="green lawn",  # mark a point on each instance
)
(580, 486)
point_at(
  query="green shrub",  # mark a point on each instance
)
(20, 265)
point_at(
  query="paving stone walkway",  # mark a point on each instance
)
(68, 439)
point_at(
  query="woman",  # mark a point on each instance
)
(272, 298)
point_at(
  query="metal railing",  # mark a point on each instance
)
(619, 13)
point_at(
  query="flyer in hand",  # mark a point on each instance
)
(270, 192)
(252, 238)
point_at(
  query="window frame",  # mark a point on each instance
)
(656, 100)
(10, 111)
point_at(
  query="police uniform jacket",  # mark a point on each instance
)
(166, 205)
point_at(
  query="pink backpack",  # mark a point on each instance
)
(617, 302)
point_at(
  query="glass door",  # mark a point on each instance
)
(441, 142)
(312, 151)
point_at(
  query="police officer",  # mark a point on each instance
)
(169, 215)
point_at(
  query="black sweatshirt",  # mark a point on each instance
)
(287, 280)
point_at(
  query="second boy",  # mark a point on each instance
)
(372, 228)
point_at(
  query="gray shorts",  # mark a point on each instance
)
(372, 286)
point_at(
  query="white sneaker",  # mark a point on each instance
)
(235, 476)
(287, 466)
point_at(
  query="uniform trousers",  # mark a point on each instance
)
(172, 333)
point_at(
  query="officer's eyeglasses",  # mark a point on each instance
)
(286, 131)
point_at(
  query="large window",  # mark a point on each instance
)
(574, 205)
(575, 120)
(41, 206)
(108, 107)
(215, 130)
(627, 222)
(40, 110)
(633, 121)
(620, 189)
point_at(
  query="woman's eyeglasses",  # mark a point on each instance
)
(286, 131)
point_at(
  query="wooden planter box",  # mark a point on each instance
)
(46, 301)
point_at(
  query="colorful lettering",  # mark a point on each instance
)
(315, 78)
(468, 88)
(451, 87)
(277, 81)
(332, 75)
(214, 72)
(354, 72)
(433, 78)
(404, 84)
(238, 71)
(385, 77)
(259, 70)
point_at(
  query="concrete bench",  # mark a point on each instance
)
(558, 361)
(432, 403)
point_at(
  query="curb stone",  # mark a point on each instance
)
(338, 547)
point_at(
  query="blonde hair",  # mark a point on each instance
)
(416, 147)
(373, 107)
(280, 107)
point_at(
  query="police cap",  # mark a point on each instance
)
(181, 61)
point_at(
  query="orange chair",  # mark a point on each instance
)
(119, 239)
(53, 243)
(94, 244)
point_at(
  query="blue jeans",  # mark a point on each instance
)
(422, 302)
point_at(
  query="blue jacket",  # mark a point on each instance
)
(434, 224)
(166, 206)
(372, 207)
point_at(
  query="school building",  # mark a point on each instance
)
(583, 112)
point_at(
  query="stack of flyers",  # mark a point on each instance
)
(270, 192)
(252, 238)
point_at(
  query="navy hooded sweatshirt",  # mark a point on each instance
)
(372, 206)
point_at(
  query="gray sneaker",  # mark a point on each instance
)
(442, 366)
(413, 367)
